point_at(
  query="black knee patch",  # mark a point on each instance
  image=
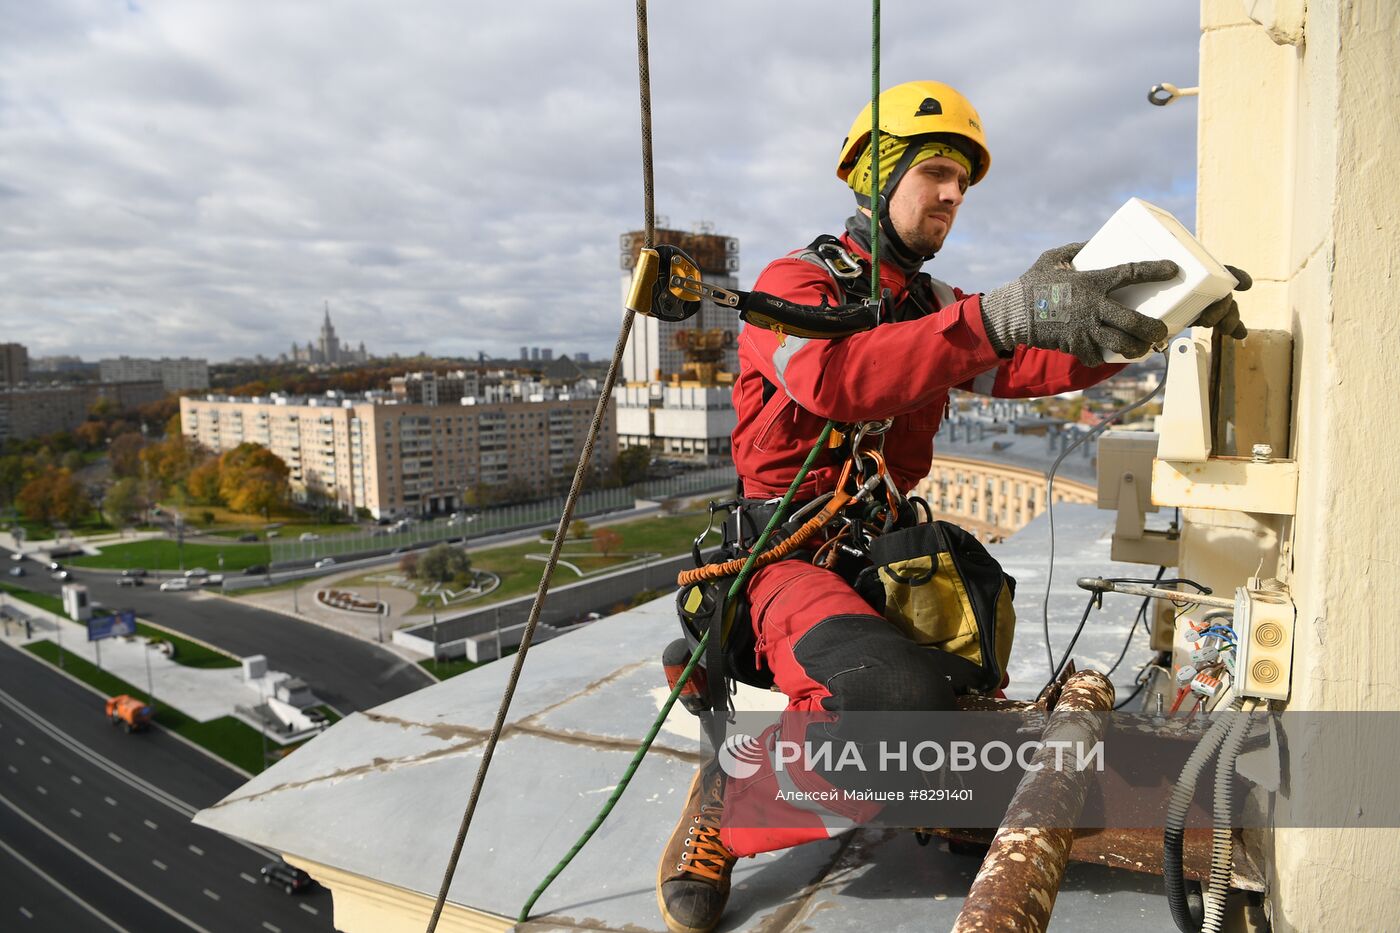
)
(868, 665)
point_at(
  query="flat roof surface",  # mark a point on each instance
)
(381, 793)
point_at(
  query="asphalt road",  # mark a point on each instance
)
(95, 830)
(345, 672)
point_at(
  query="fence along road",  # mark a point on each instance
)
(481, 522)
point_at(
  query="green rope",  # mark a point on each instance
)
(778, 513)
(875, 149)
(680, 681)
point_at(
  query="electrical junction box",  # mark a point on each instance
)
(1140, 231)
(1264, 617)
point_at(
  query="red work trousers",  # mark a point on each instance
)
(829, 652)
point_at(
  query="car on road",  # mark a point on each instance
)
(130, 581)
(248, 537)
(255, 570)
(286, 877)
(16, 555)
(53, 565)
(272, 534)
(325, 562)
(196, 572)
(175, 585)
(310, 536)
(137, 572)
(16, 571)
(60, 575)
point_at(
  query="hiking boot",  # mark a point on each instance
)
(692, 882)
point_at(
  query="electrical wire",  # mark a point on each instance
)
(1094, 432)
(1132, 629)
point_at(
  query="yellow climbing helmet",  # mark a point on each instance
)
(920, 108)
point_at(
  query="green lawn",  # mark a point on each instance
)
(42, 600)
(454, 666)
(163, 554)
(227, 737)
(188, 653)
(43, 531)
(666, 535)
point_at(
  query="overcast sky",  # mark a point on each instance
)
(195, 177)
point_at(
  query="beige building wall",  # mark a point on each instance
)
(406, 459)
(1299, 129)
(992, 500)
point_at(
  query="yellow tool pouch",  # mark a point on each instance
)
(938, 584)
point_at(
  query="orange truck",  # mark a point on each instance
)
(129, 713)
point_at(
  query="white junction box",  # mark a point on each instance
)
(1140, 231)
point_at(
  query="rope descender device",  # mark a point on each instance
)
(666, 285)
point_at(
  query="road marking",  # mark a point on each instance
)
(158, 863)
(13, 769)
(210, 894)
(45, 759)
(40, 788)
(60, 886)
(76, 813)
(114, 837)
(196, 849)
(19, 741)
(150, 824)
(74, 745)
(161, 796)
(75, 779)
(247, 877)
(309, 909)
(270, 928)
(24, 911)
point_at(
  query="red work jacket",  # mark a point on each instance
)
(897, 370)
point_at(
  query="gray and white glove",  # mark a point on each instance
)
(1224, 315)
(1057, 307)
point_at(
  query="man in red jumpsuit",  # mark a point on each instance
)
(1044, 333)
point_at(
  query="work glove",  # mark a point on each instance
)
(1224, 315)
(1057, 307)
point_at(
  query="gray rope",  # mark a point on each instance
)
(574, 489)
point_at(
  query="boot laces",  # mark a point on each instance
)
(704, 854)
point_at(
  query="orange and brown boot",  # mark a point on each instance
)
(692, 882)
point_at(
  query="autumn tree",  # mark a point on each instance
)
(444, 563)
(605, 541)
(124, 454)
(631, 465)
(90, 435)
(123, 500)
(170, 460)
(408, 565)
(54, 496)
(203, 483)
(253, 479)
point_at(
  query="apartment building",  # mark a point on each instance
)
(33, 410)
(177, 375)
(14, 364)
(395, 458)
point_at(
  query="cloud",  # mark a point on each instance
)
(198, 176)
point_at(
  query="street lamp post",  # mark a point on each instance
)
(498, 633)
(379, 613)
(437, 651)
(150, 687)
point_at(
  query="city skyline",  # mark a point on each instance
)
(186, 180)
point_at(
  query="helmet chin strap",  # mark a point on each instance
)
(903, 254)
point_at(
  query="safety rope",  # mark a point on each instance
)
(875, 149)
(604, 396)
(757, 554)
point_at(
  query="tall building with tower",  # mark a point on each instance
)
(676, 399)
(328, 350)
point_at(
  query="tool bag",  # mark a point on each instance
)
(940, 587)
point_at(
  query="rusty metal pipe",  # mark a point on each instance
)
(1016, 886)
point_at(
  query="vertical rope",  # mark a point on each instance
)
(575, 488)
(875, 149)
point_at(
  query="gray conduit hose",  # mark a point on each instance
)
(1222, 852)
(1188, 920)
